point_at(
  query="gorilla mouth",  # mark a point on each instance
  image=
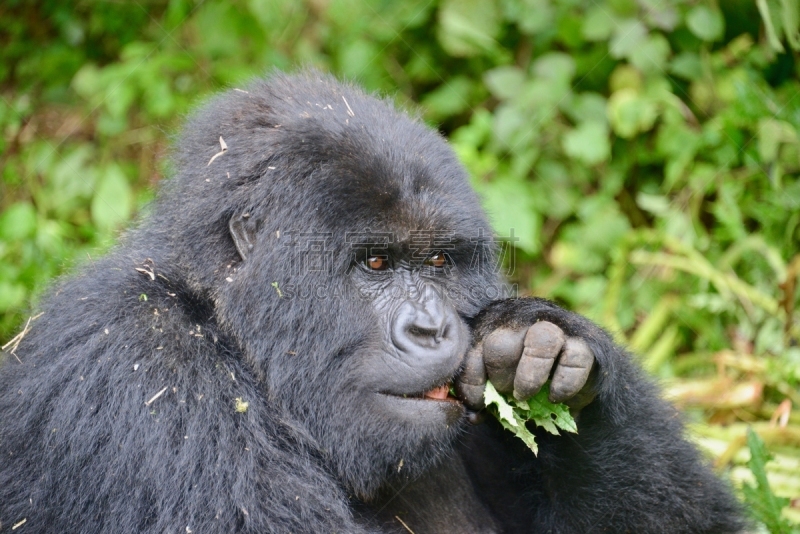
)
(441, 393)
(438, 393)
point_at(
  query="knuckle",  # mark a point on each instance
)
(577, 353)
(544, 338)
(503, 347)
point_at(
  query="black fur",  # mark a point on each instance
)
(123, 414)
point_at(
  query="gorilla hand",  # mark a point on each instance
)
(521, 358)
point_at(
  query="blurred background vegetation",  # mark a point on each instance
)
(645, 152)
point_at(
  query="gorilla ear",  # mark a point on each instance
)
(243, 230)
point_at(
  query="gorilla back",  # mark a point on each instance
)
(272, 349)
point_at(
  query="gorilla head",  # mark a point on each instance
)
(344, 257)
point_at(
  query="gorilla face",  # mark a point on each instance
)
(363, 250)
(423, 339)
(396, 411)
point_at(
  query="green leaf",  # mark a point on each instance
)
(11, 296)
(630, 114)
(159, 98)
(706, 23)
(356, 57)
(522, 432)
(660, 14)
(509, 418)
(119, 97)
(468, 27)
(771, 133)
(554, 66)
(504, 82)
(623, 7)
(112, 203)
(18, 222)
(514, 414)
(586, 107)
(506, 122)
(71, 181)
(88, 81)
(597, 24)
(765, 505)
(655, 204)
(651, 56)
(511, 208)
(628, 36)
(625, 77)
(588, 143)
(687, 65)
(448, 99)
(505, 413)
(551, 416)
(532, 16)
(772, 24)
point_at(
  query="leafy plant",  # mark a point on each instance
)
(514, 414)
(765, 506)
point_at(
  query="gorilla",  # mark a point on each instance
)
(272, 349)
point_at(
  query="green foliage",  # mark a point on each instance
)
(781, 20)
(642, 156)
(513, 414)
(765, 506)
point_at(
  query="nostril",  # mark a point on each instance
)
(419, 328)
(445, 332)
(421, 331)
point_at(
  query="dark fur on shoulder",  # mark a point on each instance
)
(174, 386)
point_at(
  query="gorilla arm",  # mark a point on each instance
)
(628, 468)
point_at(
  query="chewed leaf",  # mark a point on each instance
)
(510, 419)
(550, 415)
(522, 432)
(504, 410)
(513, 414)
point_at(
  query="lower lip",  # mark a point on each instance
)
(449, 399)
(422, 410)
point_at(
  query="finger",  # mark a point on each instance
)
(543, 342)
(476, 418)
(502, 350)
(572, 371)
(472, 380)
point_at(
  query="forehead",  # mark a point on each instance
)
(389, 174)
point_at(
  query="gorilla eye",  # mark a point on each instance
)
(437, 259)
(376, 263)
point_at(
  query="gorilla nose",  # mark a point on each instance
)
(427, 329)
(422, 324)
